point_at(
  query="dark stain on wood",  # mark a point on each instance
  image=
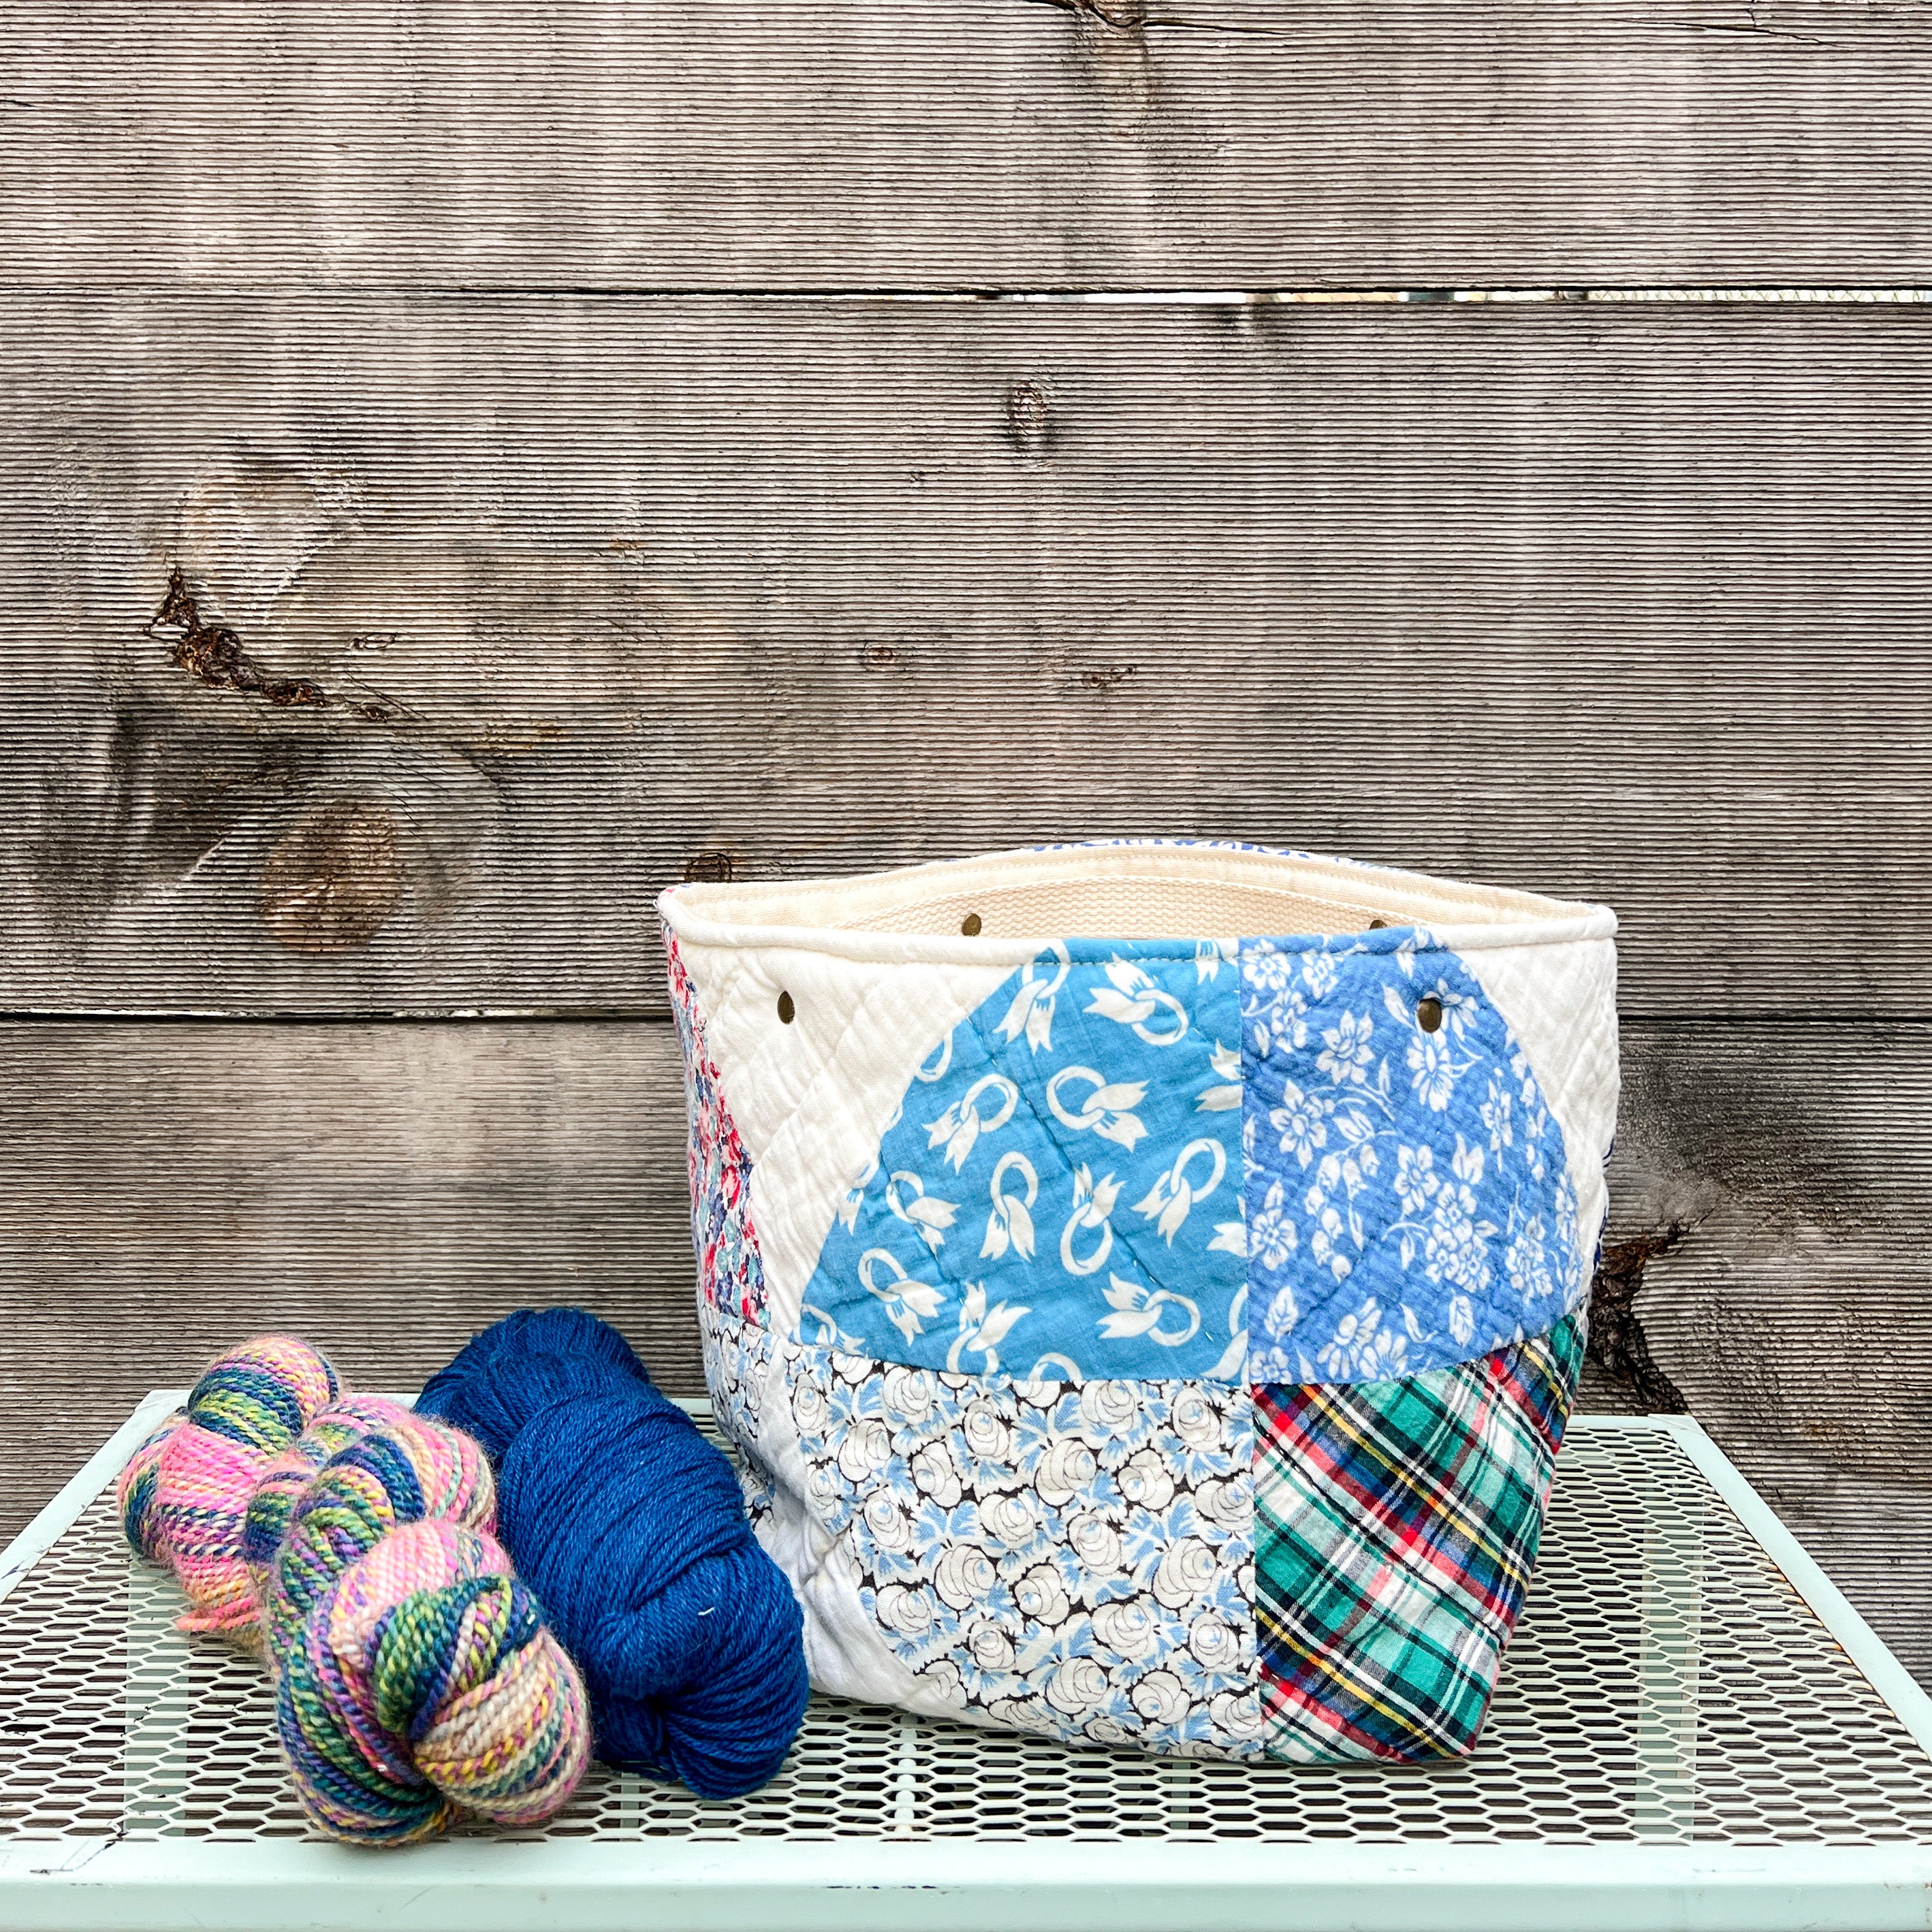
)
(213, 653)
(1262, 319)
(159, 786)
(192, 789)
(334, 878)
(1618, 1344)
(1742, 1133)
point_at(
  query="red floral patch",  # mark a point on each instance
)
(730, 1270)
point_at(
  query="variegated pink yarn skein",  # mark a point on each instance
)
(416, 1678)
(184, 1495)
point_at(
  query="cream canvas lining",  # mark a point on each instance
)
(1122, 909)
(1146, 891)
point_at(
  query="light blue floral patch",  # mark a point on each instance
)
(1409, 1202)
(1074, 1561)
(1060, 1193)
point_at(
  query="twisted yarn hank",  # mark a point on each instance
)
(415, 1677)
(630, 1526)
(279, 1486)
(410, 1469)
(185, 1491)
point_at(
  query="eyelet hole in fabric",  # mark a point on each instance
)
(788, 1013)
(1429, 1013)
(1378, 925)
(970, 926)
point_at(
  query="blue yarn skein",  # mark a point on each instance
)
(629, 1527)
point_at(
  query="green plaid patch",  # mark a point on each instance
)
(1396, 1526)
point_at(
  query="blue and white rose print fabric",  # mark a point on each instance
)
(738, 1359)
(1061, 1195)
(1409, 1201)
(1073, 1562)
(1245, 1162)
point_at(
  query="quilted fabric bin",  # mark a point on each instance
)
(1147, 1281)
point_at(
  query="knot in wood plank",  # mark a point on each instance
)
(334, 878)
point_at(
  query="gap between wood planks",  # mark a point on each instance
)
(1817, 295)
(436, 1016)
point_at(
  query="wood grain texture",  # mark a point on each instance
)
(1778, 1177)
(993, 144)
(385, 1190)
(488, 617)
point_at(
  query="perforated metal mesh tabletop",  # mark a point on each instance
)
(1687, 1707)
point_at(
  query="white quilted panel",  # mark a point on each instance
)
(812, 1098)
(1560, 1003)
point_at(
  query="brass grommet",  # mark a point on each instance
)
(1378, 925)
(787, 1011)
(1429, 1013)
(970, 926)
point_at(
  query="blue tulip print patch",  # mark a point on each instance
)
(1060, 1197)
(1250, 1162)
(1409, 1201)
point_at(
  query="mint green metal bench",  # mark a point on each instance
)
(1693, 1729)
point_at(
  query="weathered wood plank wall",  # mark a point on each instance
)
(423, 533)
(990, 144)
(548, 599)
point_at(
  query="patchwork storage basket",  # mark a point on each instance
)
(1147, 1281)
